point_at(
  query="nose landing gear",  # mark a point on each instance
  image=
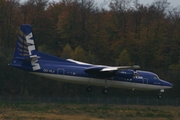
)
(160, 94)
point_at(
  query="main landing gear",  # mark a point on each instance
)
(88, 88)
(160, 93)
(104, 90)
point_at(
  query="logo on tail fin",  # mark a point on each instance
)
(26, 47)
(31, 46)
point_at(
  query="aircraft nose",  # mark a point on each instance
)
(166, 84)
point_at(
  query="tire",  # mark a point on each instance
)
(105, 91)
(159, 96)
(88, 88)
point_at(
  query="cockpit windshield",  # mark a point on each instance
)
(156, 77)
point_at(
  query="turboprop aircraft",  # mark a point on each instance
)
(28, 58)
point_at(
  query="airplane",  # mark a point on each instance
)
(28, 58)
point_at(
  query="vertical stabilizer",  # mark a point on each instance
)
(25, 46)
(25, 54)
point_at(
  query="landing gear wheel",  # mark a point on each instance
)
(88, 88)
(159, 96)
(105, 90)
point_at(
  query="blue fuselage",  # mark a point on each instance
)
(75, 73)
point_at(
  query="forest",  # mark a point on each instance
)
(124, 33)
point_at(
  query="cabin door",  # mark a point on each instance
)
(60, 72)
(145, 82)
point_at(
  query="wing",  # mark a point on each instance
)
(134, 67)
(106, 71)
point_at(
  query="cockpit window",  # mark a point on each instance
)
(156, 77)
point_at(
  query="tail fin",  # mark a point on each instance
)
(25, 46)
(26, 52)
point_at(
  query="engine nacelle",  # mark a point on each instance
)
(126, 73)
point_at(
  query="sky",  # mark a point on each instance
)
(174, 3)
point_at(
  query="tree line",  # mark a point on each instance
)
(125, 33)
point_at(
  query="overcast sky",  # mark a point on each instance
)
(174, 3)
